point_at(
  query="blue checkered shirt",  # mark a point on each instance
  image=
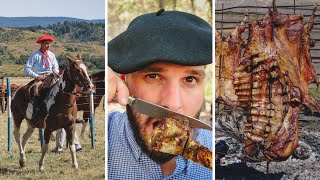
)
(127, 161)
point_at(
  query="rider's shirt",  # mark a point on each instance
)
(39, 64)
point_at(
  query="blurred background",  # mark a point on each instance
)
(122, 12)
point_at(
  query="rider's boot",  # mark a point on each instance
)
(36, 109)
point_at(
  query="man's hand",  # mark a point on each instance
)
(116, 85)
(40, 77)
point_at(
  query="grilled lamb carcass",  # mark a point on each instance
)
(227, 53)
(271, 83)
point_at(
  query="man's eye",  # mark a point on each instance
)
(152, 76)
(191, 79)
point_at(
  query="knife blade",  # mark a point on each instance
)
(157, 111)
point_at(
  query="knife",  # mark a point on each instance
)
(157, 111)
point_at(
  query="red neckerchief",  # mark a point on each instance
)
(45, 57)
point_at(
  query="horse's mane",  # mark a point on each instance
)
(30, 83)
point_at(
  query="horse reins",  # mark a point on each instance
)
(69, 76)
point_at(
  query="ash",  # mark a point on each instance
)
(303, 164)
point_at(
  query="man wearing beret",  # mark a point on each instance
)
(40, 64)
(163, 55)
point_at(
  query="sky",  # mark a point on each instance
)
(83, 9)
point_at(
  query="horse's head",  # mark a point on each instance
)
(77, 72)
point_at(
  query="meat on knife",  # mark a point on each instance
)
(173, 137)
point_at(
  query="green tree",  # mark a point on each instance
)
(121, 12)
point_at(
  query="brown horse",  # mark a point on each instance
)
(83, 101)
(61, 107)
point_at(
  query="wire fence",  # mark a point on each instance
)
(5, 101)
(4, 91)
(94, 95)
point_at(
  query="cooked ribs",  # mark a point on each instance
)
(227, 53)
(172, 136)
(271, 84)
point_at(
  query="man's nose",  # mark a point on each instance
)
(171, 97)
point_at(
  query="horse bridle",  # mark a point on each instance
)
(76, 77)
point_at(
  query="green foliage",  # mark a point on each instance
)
(22, 59)
(77, 31)
(87, 39)
(120, 13)
(94, 63)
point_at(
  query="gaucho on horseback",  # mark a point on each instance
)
(43, 66)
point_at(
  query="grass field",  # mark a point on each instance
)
(57, 166)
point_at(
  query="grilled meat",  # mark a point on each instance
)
(271, 84)
(227, 53)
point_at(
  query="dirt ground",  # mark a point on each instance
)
(304, 164)
(57, 166)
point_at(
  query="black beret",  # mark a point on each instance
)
(166, 36)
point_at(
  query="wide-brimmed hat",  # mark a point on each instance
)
(166, 36)
(45, 37)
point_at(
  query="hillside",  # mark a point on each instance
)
(40, 21)
(87, 39)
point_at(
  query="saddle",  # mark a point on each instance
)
(45, 86)
(44, 90)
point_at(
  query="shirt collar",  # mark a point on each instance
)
(183, 165)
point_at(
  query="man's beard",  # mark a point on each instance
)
(158, 157)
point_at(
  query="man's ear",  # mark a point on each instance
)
(124, 78)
